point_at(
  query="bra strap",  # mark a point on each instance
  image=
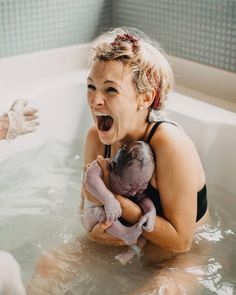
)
(107, 152)
(154, 128)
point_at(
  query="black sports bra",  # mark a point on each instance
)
(153, 193)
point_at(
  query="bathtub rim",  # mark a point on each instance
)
(218, 87)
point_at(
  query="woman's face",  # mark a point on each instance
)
(112, 98)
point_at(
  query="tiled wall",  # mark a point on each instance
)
(200, 30)
(33, 25)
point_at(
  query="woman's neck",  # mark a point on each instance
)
(138, 134)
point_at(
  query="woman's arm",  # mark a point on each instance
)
(89, 155)
(130, 211)
(177, 170)
(93, 147)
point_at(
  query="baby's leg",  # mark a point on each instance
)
(128, 234)
(10, 277)
(92, 216)
(133, 250)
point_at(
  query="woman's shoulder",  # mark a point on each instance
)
(175, 151)
(170, 141)
(92, 133)
(167, 133)
(93, 145)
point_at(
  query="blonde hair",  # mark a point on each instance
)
(144, 56)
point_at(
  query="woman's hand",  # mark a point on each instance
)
(103, 164)
(99, 235)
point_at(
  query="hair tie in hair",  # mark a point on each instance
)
(129, 39)
(156, 104)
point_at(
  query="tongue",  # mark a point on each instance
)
(105, 123)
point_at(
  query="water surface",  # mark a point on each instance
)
(40, 196)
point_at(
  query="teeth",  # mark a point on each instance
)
(101, 114)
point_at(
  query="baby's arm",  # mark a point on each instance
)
(147, 221)
(96, 187)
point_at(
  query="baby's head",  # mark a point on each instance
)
(132, 168)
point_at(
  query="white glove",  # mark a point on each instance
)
(22, 119)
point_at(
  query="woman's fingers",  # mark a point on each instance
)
(103, 163)
(99, 234)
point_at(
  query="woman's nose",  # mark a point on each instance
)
(97, 99)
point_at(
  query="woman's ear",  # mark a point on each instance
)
(146, 99)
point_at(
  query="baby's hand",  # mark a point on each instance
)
(147, 221)
(113, 210)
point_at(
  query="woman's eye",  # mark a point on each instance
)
(111, 89)
(91, 87)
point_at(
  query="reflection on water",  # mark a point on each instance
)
(39, 195)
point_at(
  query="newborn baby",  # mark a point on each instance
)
(129, 174)
(10, 277)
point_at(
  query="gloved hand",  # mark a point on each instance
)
(22, 119)
(113, 210)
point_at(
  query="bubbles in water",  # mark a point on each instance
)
(209, 233)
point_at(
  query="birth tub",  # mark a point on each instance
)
(41, 174)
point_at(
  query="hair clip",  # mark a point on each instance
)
(127, 38)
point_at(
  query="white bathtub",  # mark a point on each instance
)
(54, 87)
(60, 96)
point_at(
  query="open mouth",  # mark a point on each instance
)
(104, 121)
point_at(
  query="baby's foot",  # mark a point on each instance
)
(131, 235)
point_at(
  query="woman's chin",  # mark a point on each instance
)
(107, 137)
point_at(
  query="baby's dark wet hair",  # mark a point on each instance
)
(138, 151)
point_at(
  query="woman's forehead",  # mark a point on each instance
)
(110, 71)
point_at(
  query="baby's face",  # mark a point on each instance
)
(130, 182)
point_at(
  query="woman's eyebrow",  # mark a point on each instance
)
(110, 81)
(89, 78)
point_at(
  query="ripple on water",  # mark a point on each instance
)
(39, 197)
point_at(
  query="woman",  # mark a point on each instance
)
(127, 87)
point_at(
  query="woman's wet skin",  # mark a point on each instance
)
(111, 91)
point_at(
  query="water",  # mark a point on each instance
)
(40, 195)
